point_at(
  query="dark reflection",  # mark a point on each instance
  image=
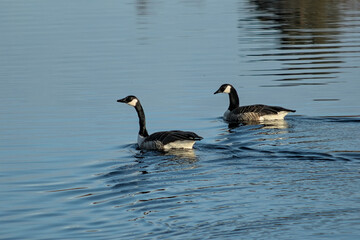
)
(142, 8)
(302, 22)
(309, 34)
(143, 13)
(276, 124)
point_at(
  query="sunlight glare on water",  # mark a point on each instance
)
(70, 167)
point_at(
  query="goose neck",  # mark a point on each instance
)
(234, 99)
(142, 123)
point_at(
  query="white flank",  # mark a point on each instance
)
(278, 116)
(227, 89)
(186, 144)
(140, 140)
(133, 102)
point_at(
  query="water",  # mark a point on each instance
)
(69, 164)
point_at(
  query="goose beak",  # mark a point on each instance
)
(121, 100)
(218, 91)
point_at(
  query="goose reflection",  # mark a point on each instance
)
(182, 155)
(250, 133)
(276, 124)
(267, 132)
(182, 158)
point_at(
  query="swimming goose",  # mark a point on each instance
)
(160, 140)
(257, 112)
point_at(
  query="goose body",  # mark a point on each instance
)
(258, 112)
(164, 140)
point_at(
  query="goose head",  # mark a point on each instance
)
(225, 88)
(130, 100)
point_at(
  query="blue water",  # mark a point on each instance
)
(69, 166)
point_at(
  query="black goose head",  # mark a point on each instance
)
(225, 88)
(130, 100)
(134, 102)
(233, 96)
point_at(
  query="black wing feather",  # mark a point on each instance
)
(260, 109)
(166, 137)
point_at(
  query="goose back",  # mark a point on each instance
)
(170, 139)
(256, 112)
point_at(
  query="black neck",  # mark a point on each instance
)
(140, 111)
(234, 99)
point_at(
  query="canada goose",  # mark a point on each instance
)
(257, 112)
(160, 140)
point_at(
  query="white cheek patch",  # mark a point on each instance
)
(227, 89)
(133, 102)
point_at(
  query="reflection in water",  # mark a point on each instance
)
(142, 13)
(141, 7)
(183, 155)
(276, 124)
(310, 34)
(271, 133)
(188, 155)
(303, 22)
(167, 160)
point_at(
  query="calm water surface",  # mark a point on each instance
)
(69, 164)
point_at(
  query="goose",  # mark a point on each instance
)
(258, 112)
(164, 140)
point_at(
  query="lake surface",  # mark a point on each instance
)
(69, 166)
